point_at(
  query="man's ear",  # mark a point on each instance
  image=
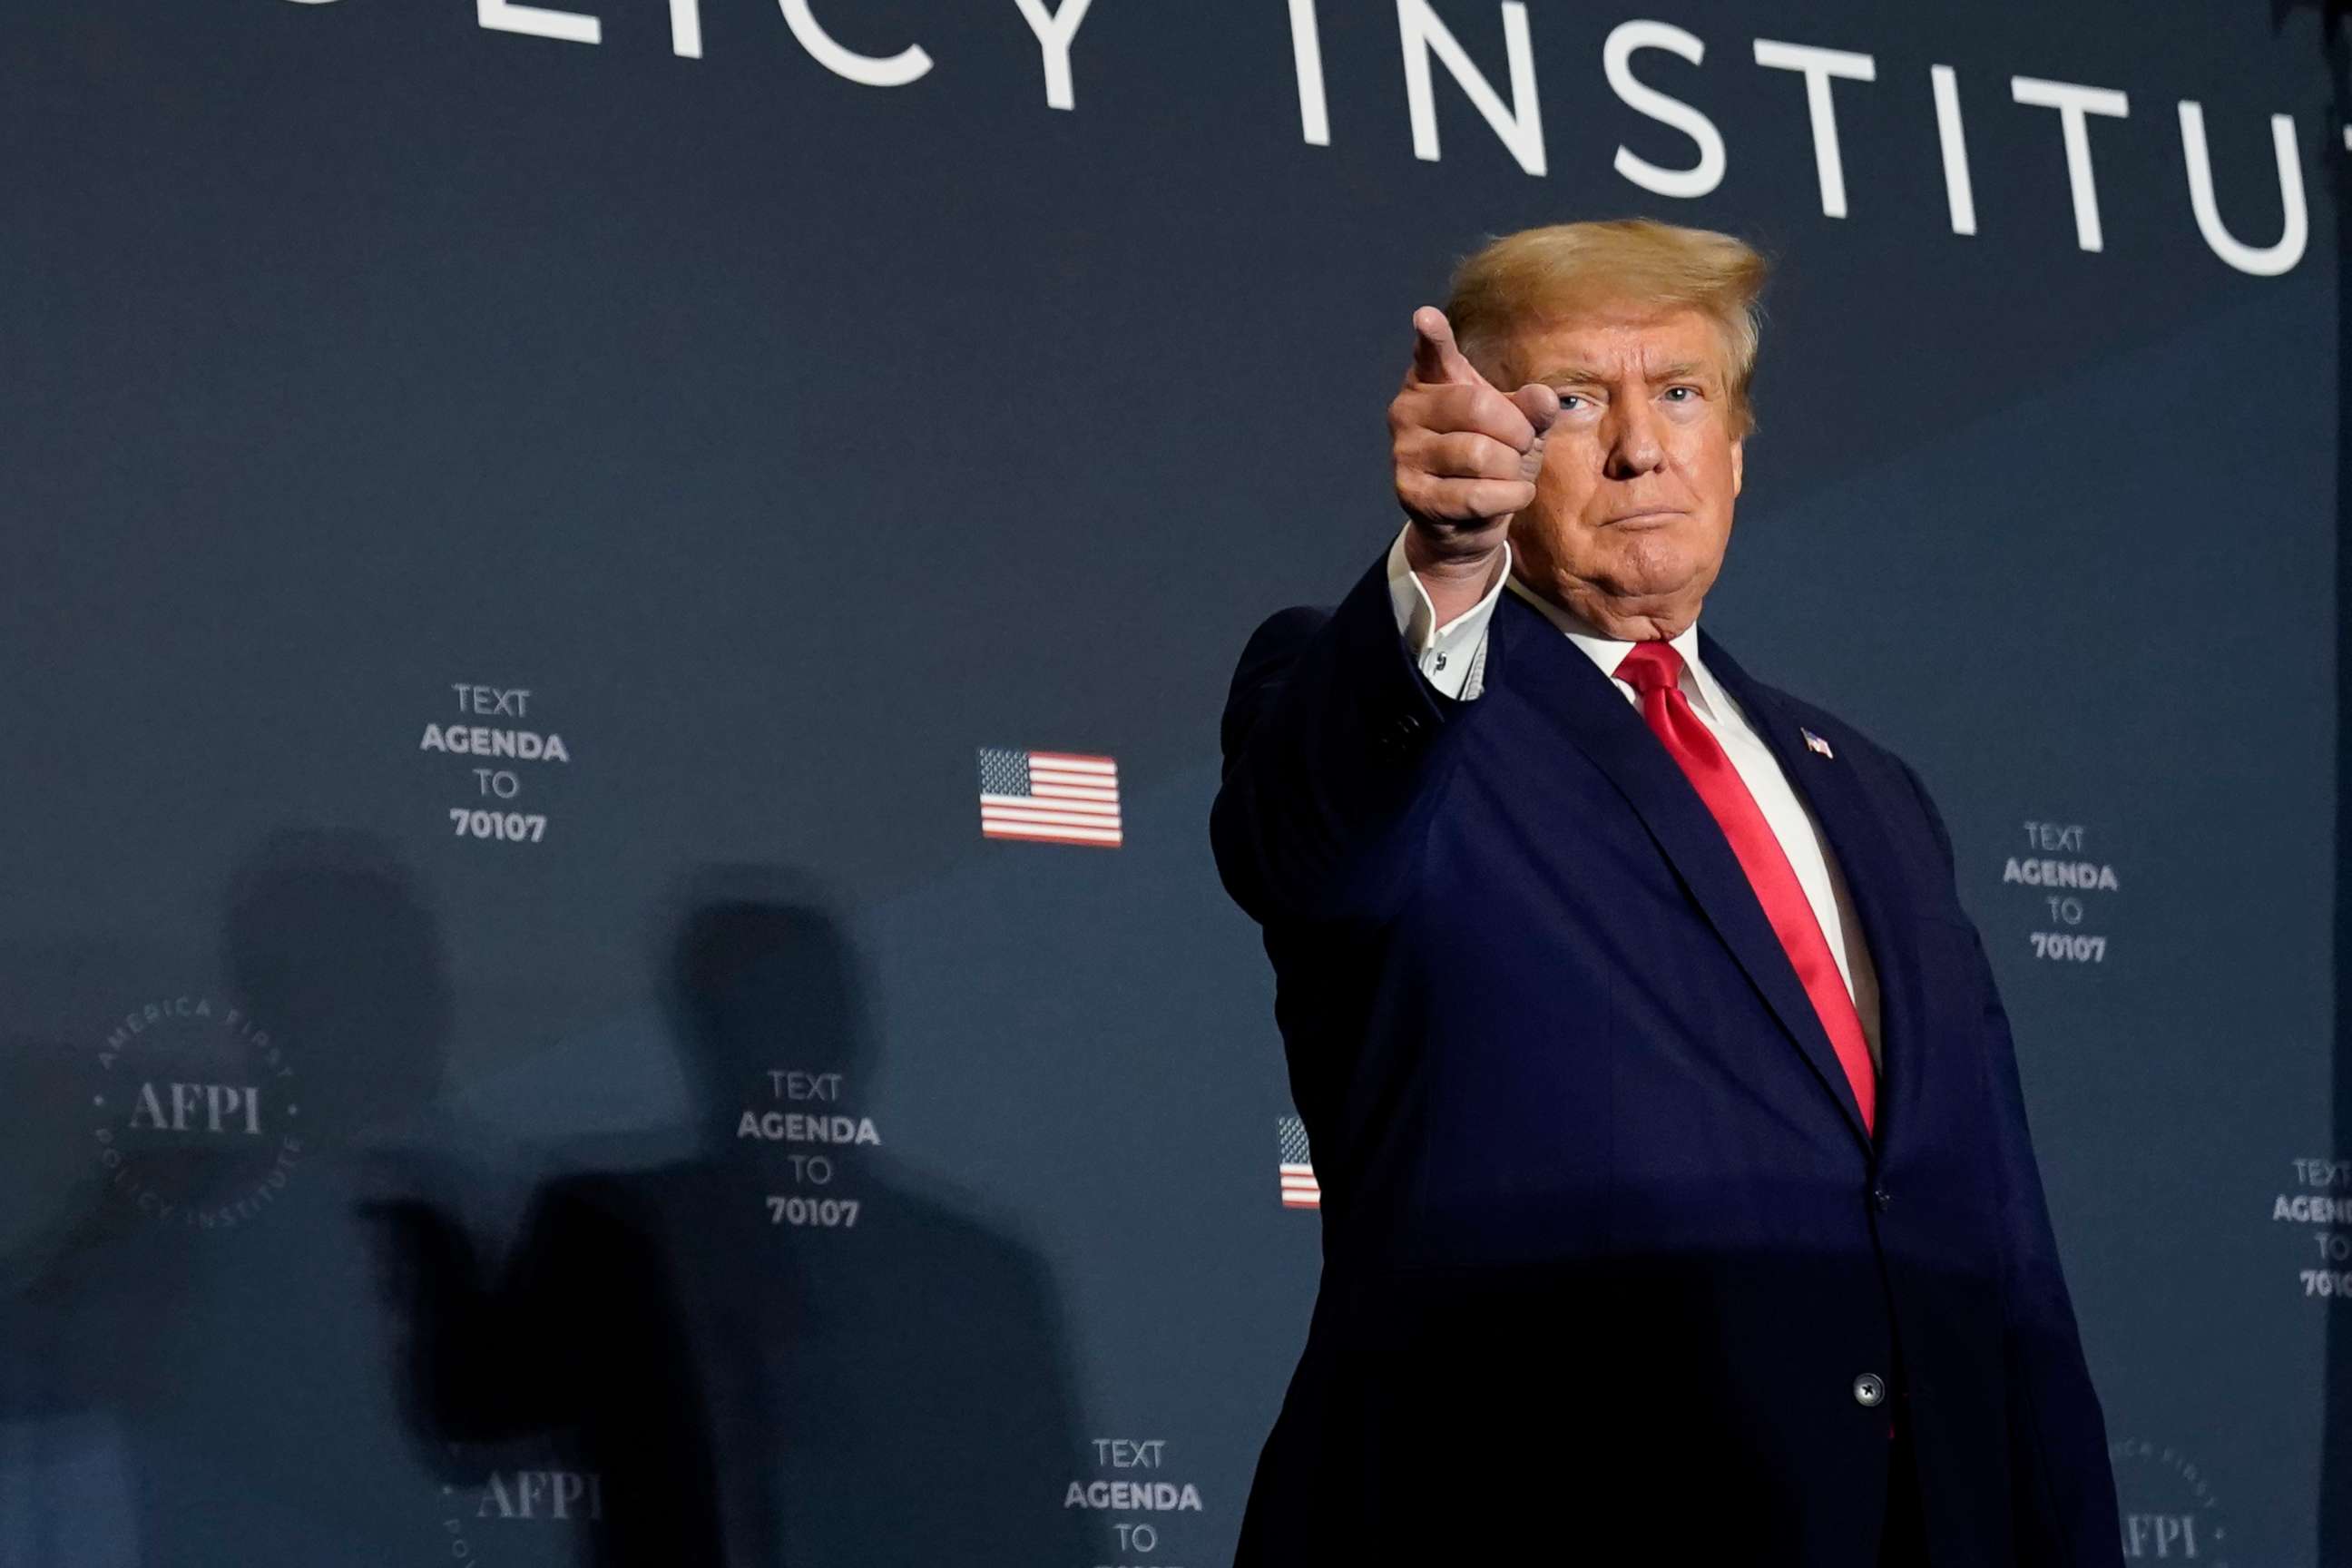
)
(1739, 462)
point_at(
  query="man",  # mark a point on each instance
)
(1678, 1202)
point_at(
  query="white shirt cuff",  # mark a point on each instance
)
(1452, 658)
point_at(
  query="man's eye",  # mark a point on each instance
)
(1568, 398)
(1692, 391)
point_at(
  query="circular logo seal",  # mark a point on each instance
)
(2170, 1512)
(198, 1116)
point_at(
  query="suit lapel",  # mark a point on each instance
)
(1554, 677)
(1855, 827)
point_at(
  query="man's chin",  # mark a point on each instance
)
(1655, 567)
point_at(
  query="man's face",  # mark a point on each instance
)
(1633, 507)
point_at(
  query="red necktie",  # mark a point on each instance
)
(1655, 671)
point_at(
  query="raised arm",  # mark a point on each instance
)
(1328, 737)
(1330, 727)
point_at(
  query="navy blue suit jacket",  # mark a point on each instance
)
(1606, 1247)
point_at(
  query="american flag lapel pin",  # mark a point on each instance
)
(1816, 743)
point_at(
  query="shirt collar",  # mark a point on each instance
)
(1608, 652)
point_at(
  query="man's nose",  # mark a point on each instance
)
(1634, 446)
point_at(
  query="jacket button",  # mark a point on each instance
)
(1881, 1197)
(1868, 1390)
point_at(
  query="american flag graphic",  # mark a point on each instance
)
(1051, 798)
(1299, 1188)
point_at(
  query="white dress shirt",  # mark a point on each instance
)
(1453, 658)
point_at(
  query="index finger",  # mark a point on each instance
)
(1435, 358)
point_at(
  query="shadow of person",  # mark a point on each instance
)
(67, 1491)
(787, 1348)
(175, 1344)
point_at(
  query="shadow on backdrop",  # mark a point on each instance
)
(68, 1489)
(183, 1335)
(698, 1379)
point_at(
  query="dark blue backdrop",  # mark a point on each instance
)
(787, 439)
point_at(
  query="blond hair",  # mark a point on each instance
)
(1541, 275)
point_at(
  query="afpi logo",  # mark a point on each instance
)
(487, 1516)
(198, 1121)
(556, 1496)
(2170, 1512)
